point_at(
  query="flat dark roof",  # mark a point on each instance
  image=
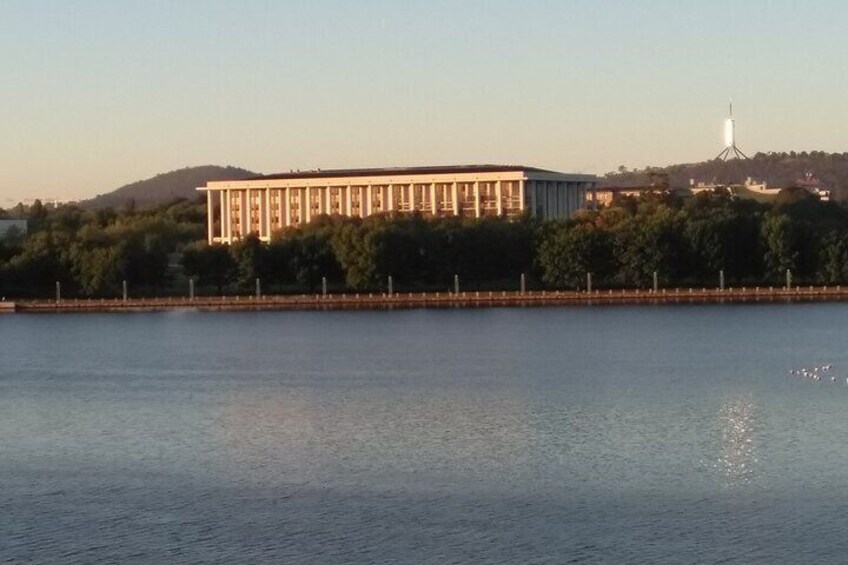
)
(386, 171)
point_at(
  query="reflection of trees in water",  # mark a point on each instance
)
(737, 453)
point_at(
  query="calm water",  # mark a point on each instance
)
(669, 434)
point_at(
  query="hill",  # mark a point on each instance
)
(777, 169)
(166, 187)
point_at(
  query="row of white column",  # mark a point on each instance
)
(261, 199)
(555, 199)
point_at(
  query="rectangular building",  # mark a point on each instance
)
(10, 228)
(265, 204)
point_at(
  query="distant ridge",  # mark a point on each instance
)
(166, 187)
(777, 169)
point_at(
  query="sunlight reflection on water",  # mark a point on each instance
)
(737, 459)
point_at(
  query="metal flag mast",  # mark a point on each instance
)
(730, 149)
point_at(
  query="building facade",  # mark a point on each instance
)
(266, 204)
(603, 197)
(12, 228)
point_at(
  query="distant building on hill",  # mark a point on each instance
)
(760, 187)
(809, 183)
(10, 228)
(604, 196)
(263, 205)
(750, 184)
(812, 184)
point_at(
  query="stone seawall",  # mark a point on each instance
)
(373, 301)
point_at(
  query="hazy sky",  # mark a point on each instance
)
(96, 94)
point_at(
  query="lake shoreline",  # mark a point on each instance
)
(376, 301)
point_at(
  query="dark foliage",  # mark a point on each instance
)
(688, 241)
(92, 252)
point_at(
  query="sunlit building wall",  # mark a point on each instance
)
(266, 204)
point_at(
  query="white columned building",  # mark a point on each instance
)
(270, 203)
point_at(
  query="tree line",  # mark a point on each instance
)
(90, 252)
(686, 241)
(360, 254)
(779, 169)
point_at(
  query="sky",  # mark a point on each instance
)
(97, 94)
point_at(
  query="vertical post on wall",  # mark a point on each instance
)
(287, 211)
(656, 285)
(347, 200)
(788, 279)
(523, 283)
(456, 284)
(267, 215)
(434, 201)
(58, 292)
(244, 208)
(124, 289)
(191, 288)
(258, 288)
(522, 197)
(589, 283)
(324, 286)
(721, 279)
(210, 218)
(391, 286)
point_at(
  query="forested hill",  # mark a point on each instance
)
(166, 187)
(778, 169)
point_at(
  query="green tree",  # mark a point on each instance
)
(779, 243)
(211, 264)
(37, 213)
(313, 259)
(250, 257)
(833, 259)
(570, 250)
(146, 259)
(278, 264)
(648, 242)
(721, 234)
(358, 249)
(99, 270)
(41, 262)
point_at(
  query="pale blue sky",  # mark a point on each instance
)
(96, 94)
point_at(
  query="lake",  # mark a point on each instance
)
(593, 434)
